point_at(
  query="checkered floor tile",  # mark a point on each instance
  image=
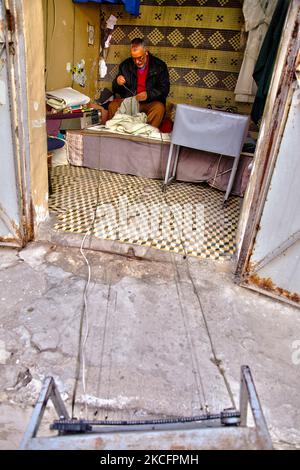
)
(187, 218)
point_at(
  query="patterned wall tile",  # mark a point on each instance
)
(192, 3)
(198, 39)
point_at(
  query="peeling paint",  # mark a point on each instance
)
(35, 105)
(40, 214)
(37, 123)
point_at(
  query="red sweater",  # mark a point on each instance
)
(141, 78)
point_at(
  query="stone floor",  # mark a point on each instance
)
(155, 346)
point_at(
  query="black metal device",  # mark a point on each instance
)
(206, 431)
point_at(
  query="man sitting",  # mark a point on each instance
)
(147, 78)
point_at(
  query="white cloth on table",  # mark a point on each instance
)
(129, 121)
(134, 125)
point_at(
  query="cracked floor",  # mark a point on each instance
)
(148, 352)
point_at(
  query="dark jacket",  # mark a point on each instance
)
(266, 60)
(157, 82)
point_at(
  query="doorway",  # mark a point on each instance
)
(38, 166)
(75, 194)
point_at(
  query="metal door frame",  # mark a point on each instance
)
(268, 145)
(17, 83)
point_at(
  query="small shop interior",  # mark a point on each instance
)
(213, 49)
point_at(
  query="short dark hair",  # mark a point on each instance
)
(138, 42)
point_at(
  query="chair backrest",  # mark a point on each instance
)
(206, 129)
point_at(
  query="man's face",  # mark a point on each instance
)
(139, 56)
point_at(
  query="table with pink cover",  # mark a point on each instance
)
(148, 158)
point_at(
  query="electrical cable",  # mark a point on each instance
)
(83, 339)
(84, 314)
(217, 362)
(81, 360)
(195, 362)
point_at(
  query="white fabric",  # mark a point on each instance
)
(129, 121)
(129, 106)
(65, 97)
(254, 13)
(102, 68)
(57, 103)
(132, 125)
(111, 22)
(258, 15)
(59, 157)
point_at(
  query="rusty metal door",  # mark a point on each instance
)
(274, 264)
(269, 244)
(12, 214)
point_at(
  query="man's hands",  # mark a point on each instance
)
(142, 96)
(121, 80)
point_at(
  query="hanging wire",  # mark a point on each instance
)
(81, 360)
(217, 362)
(83, 337)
